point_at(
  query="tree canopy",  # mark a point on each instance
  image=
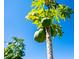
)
(15, 49)
(49, 9)
(53, 10)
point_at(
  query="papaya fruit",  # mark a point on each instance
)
(39, 35)
(46, 22)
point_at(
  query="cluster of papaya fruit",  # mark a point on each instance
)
(40, 34)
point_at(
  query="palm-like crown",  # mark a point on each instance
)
(45, 12)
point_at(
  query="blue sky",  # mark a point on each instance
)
(17, 25)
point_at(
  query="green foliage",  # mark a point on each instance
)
(56, 29)
(65, 11)
(15, 49)
(54, 12)
(39, 35)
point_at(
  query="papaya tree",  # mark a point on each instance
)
(46, 15)
(15, 49)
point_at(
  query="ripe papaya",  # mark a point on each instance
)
(46, 22)
(39, 35)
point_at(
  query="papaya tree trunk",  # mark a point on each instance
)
(49, 44)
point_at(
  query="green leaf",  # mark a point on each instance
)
(17, 45)
(36, 22)
(39, 25)
(57, 19)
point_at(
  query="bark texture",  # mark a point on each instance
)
(49, 44)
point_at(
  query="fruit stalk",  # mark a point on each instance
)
(49, 43)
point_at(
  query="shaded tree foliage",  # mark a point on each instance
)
(15, 49)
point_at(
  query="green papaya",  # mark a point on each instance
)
(39, 35)
(46, 22)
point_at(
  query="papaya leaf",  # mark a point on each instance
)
(57, 19)
(36, 22)
(39, 25)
